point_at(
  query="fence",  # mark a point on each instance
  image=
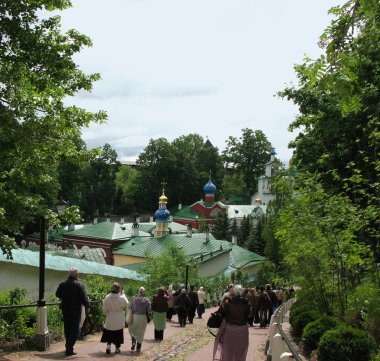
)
(278, 346)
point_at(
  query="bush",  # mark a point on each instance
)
(301, 320)
(346, 343)
(296, 309)
(313, 332)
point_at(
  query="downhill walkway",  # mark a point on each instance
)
(190, 343)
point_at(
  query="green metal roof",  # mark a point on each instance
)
(186, 212)
(88, 254)
(106, 230)
(175, 227)
(57, 263)
(240, 257)
(193, 247)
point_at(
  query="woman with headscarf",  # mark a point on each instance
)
(113, 307)
(183, 304)
(201, 305)
(139, 306)
(171, 301)
(232, 339)
(159, 308)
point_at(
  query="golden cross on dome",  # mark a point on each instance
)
(163, 183)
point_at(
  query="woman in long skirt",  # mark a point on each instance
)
(140, 306)
(113, 307)
(159, 308)
(231, 342)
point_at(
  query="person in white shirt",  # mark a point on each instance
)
(114, 305)
(201, 305)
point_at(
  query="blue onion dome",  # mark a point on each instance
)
(273, 151)
(162, 215)
(209, 187)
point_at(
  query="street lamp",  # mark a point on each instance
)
(43, 337)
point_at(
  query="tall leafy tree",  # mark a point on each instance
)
(318, 231)
(255, 241)
(244, 229)
(338, 101)
(100, 184)
(37, 73)
(184, 164)
(221, 228)
(248, 154)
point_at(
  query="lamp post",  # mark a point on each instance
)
(43, 336)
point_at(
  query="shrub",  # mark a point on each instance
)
(313, 332)
(346, 343)
(296, 309)
(301, 320)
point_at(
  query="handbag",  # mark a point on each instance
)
(215, 320)
(147, 317)
(88, 326)
(129, 318)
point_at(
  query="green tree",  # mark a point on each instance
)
(126, 178)
(244, 229)
(169, 269)
(248, 155)
(233, 185)
(318, 231)
(100, 184)
(338, 101)
(37, 74)
(255, 241)
(221, 228)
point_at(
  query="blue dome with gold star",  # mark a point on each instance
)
(209, 188)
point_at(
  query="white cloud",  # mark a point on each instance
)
(212, 67)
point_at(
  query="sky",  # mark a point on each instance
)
(176, 67)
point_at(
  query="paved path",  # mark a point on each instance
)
(190, 343)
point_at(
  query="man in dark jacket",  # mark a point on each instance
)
(194, 302)
(183, 303)
(73, 297)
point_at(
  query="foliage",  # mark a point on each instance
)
(313, 332)
(16, 323)
(126, 178)
(100, 184)
(364, 309)
(255, 241)
(97, 289)
(244, 230)
(347, 343)
(265, 274)
(301, 319)
(248, 155)
(72, 215)
(37, 74)
(184, 164)
(221, 228)
(168, 269)
(338, 102)
(318, 234)
(233, 185)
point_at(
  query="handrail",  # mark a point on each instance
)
(34, 304)
(289, 344)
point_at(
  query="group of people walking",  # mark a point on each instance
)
(240, 308)
(163, 305)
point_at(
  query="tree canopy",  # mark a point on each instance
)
(37, 74)
(248, 154)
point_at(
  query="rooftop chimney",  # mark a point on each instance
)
(189, 231)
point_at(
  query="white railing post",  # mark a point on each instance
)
(279, 347)
(286, 356)
(273, 329)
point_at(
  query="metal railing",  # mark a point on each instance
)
(278, 345)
